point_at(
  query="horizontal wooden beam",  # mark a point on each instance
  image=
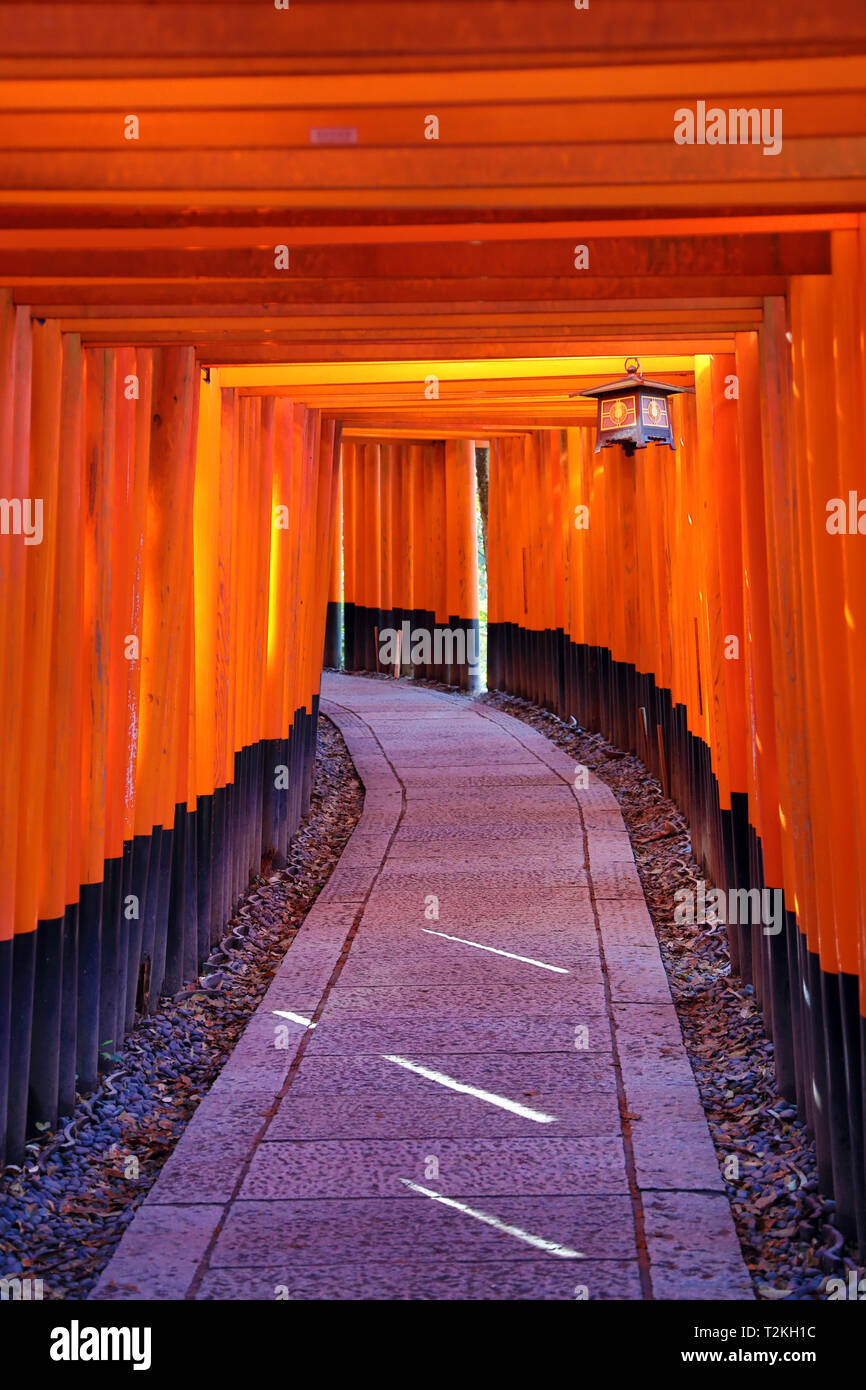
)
(645, 78)
(403, 346)
(287, 128)
(334, 319)
(245, 354)
(119, 228)
(419, 432)
(342, 173)
(308, 294)
(474, 422)
(512, 369)
(410, 29)
(789, 196)
(401, 396)
(805, 253)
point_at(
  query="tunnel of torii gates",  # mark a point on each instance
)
(256, 303)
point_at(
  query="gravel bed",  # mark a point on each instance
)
(784, 1222)
(62, 1215)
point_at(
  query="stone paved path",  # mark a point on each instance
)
(467, 1079)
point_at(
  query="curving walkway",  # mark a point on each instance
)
(467, 1079)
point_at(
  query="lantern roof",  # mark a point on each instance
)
(635, 379)
(626, 383)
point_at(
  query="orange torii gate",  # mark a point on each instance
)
(411, 561)
(152, 659)
(704, 610)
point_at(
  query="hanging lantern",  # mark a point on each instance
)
(634, 411)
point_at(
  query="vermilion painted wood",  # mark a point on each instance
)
(15, 386)
(849, 320)
(398, 37)
(38, 632)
